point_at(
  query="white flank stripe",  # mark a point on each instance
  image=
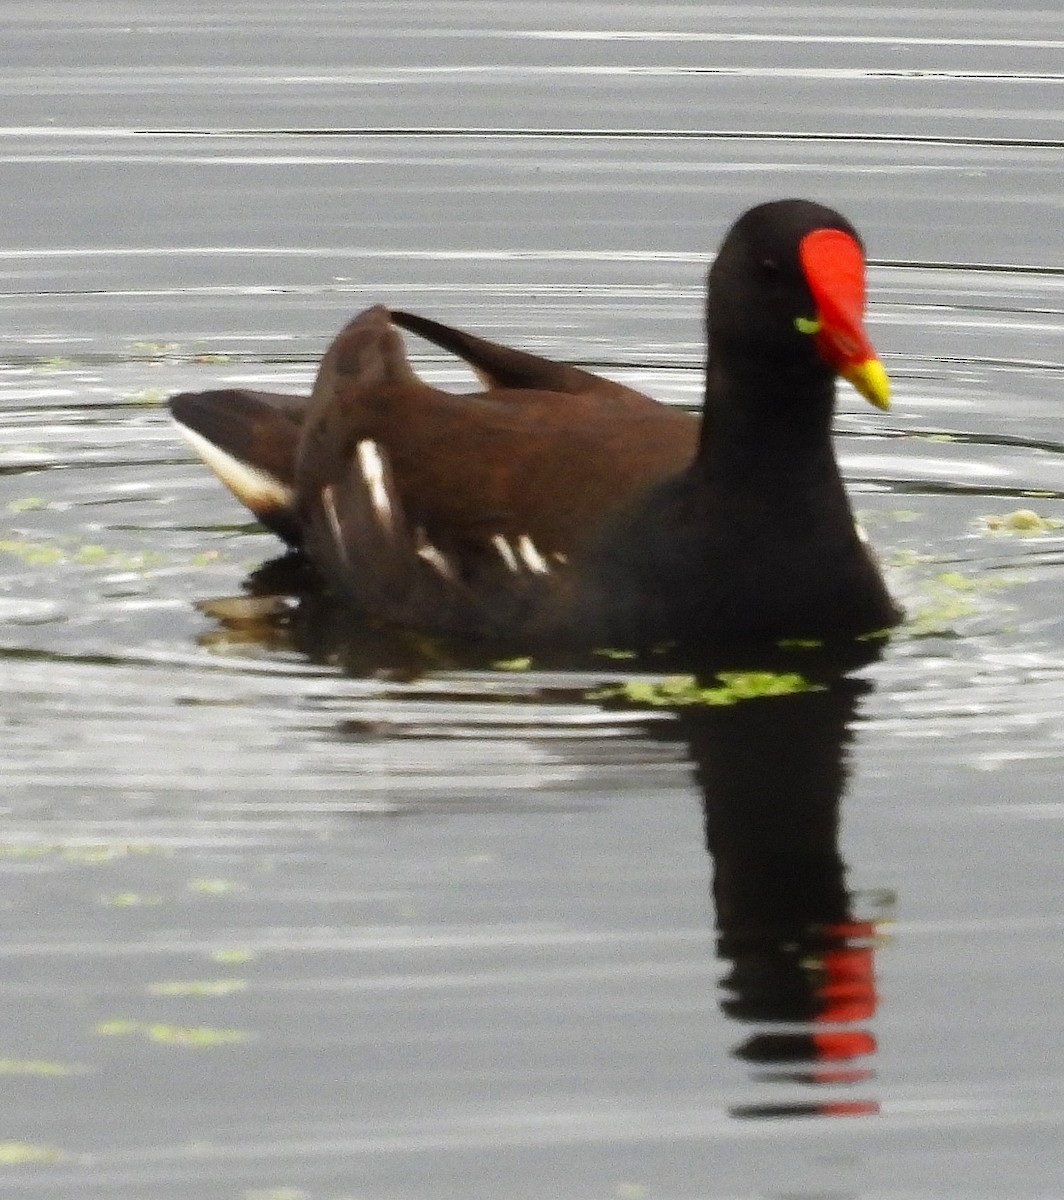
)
(531, 557)
(505, 552)
(372, 467)
(435, 557)
(329, 504)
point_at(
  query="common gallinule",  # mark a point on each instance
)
(558, 506)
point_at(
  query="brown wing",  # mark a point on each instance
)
(548, 453)
(357, 533)
(501, 367)
(534, 461)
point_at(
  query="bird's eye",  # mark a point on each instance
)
(770, 267)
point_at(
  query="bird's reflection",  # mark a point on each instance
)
(799, 947)
(799, 950)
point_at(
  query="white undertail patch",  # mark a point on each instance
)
(258, 489)
(371, 465)
(531, 557)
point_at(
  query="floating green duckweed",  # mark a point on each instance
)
(234, 956)
(682, 690)
(512, 664)
(197, 987)
(117, 1027)
(44, 554)
(91, 852)
(33, 554)
(153, 349)
(942, 610)
(39, 1067)
(27, 504)
(955, 581)
(610, 652)
(951, 597)
(1024, 522)
(132, 900)
(184, 1035)
(906, 556)
(13, 1154)
(631, 1191)
(27, 850)
(103, 852)
(875, 635)
(174, 1035)
(149, 397)
(214, 887)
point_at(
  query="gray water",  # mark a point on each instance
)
(289, 912)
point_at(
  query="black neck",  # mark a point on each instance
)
(765, 430)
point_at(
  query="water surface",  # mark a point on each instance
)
(287, 913)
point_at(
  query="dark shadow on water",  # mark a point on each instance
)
(286, 606)
(798, 945)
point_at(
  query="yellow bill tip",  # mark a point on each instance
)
(870, 379)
